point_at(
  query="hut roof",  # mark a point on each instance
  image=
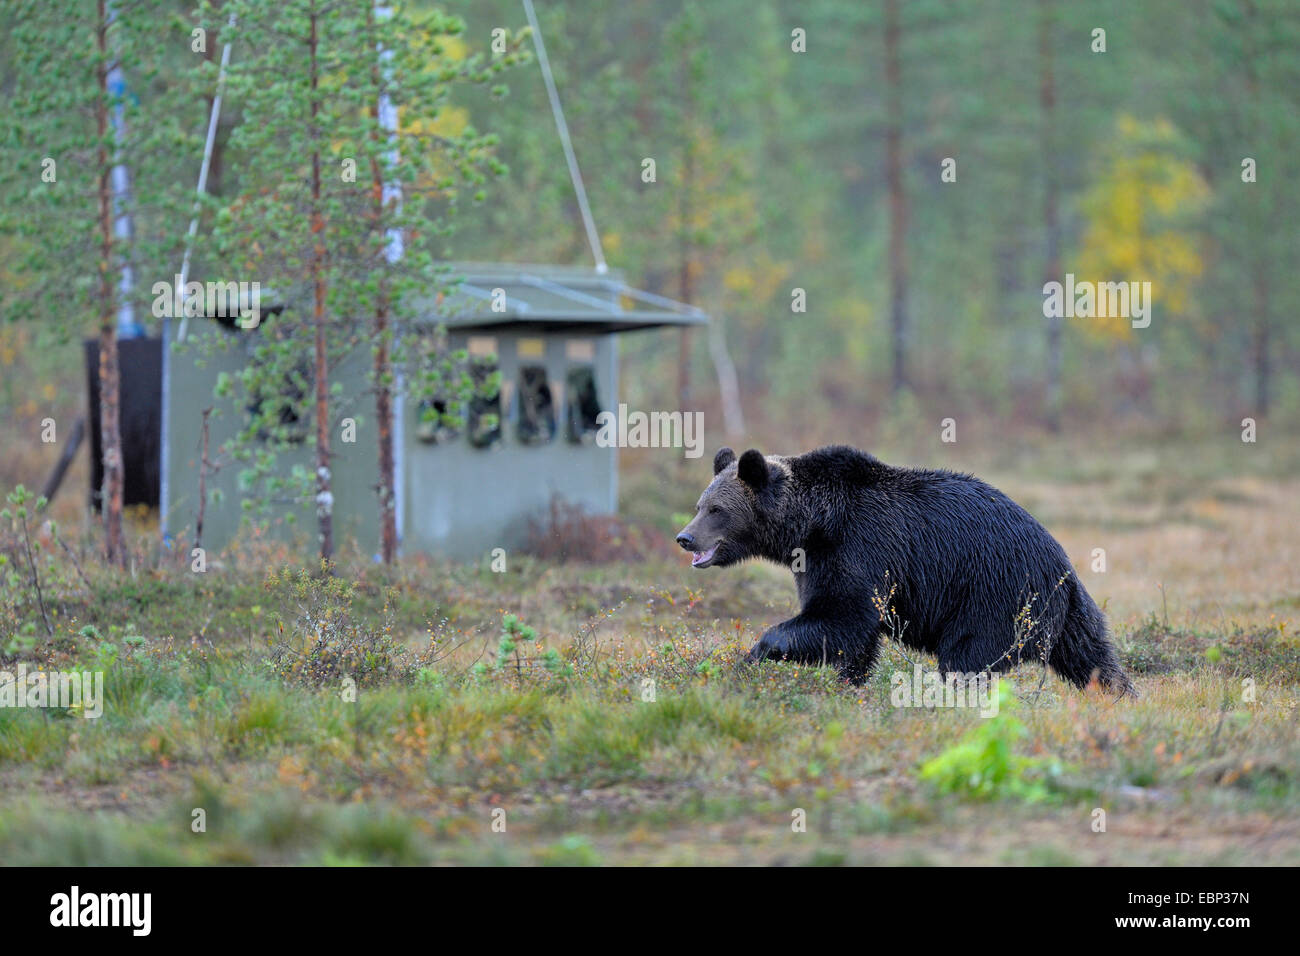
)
(554, 299)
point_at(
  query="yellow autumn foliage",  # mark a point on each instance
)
(1141, 216)
(450, 122)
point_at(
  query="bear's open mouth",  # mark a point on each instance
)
(700, 559)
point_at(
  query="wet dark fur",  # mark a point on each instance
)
(963, 558)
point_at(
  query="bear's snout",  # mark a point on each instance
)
(687, 541)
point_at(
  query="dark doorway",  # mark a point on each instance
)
(141, 404)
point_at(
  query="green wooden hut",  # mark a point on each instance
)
(552, 333)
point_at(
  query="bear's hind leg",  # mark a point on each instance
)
(966, 654)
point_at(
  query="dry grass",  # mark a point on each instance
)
(1193, 772)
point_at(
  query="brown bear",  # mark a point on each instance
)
(975, 580)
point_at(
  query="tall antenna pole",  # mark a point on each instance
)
(127, 328)
(593, 238)
(208, 146)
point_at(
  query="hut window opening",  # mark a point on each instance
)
(278, 407)
(483, 423)
(536, 424)
(582, 404)
(434, 426)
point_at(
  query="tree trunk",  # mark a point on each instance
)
(110, 428)
(205, 465)
(733, 415)
(685, 208)
(1263, 326)
(324, 497)
(384, 418)
(383, 370)
(684, 349)
(1263, 369)
(897, 198)
(1051, 223)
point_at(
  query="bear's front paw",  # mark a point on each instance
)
(769, 648)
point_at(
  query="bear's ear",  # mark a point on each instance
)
(753, 469)
(722, 459)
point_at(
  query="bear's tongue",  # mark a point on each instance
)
(701, 556)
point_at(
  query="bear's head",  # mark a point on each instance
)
(734, 516)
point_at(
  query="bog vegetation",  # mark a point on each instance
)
(390, 715)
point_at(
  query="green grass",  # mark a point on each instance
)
(390, 716)
(588, 772)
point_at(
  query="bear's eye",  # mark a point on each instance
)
(714, 509)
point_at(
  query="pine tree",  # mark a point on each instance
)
(68, 130)
(418, 168)
(344, 161)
